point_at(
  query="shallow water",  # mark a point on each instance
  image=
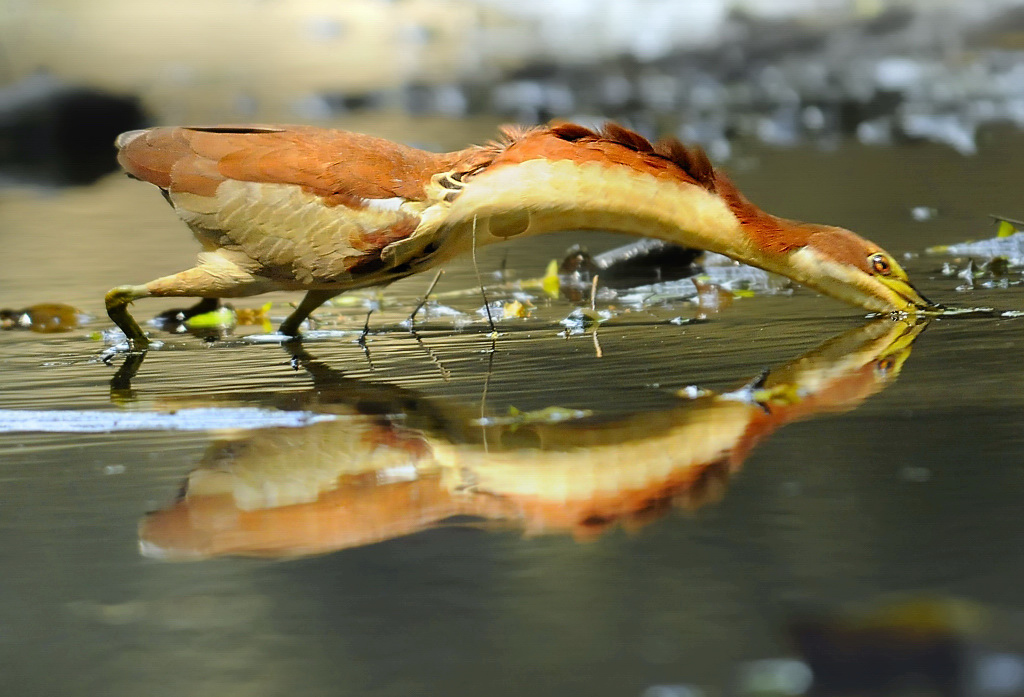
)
(902, 479)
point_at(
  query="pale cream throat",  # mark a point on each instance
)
(539, 196)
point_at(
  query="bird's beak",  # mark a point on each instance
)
(915, 302)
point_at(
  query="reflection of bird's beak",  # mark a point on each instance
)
(896, 353)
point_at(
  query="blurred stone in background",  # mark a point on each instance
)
(779, 71)
(55, 134)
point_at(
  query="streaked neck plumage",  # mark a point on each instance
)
(571, 178)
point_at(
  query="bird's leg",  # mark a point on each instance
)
(117, 301)
(121, 384)
(313, 300)
(218, 279)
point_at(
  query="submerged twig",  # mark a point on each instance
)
(426, 296)
(483, 393)
(362, 340)
(480, 282)
(1004, 219)
(445, 373)
(598, 352)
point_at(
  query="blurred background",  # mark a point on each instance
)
(780, 71)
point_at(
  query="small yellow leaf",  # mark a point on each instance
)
(221, 318)
(551, 284)
(1006, 229)
(515, 309)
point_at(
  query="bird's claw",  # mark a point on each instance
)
(126, 348)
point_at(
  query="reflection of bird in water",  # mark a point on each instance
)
(324, 211)
(369, 477)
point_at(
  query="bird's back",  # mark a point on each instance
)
(300, 205)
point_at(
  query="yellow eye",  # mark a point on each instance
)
(880, 265)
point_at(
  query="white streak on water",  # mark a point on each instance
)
(206, 419)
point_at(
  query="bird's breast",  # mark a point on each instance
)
(294, 236)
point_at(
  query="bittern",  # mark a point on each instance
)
(325, 211)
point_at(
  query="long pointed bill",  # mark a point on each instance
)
(910, 294)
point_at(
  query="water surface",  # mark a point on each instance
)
(911, 488)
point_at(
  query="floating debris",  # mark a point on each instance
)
(220, 319)
(551, 284)
(1002, 256)
(583, 319)
(434, 310)
(642, 262)
(1008, 243)
(1011, 247)
(45, 318)
(516, 309)
(547, 415)
(720, 271)
(971, 312)
(711, 297)
(254, 317)
(1007, 227)
(923, 213)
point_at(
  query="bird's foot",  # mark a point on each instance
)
(121, 383)
(128, 347)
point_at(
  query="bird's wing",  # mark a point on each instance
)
(295, 203)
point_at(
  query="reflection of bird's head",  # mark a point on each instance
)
(847, 267)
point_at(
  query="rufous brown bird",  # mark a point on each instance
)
(325, 211)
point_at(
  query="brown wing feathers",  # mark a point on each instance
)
(335, 165)
(612, 144)
(341, 166)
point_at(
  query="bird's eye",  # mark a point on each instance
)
(884, 367)
(880, 265)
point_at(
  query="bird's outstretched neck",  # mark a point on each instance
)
(569, 178)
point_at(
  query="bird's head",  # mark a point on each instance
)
(845, 266)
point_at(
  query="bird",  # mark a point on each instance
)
(325, 211)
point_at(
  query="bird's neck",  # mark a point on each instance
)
(539, 196)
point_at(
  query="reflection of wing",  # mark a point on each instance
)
(254, 495)
(341, 484)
